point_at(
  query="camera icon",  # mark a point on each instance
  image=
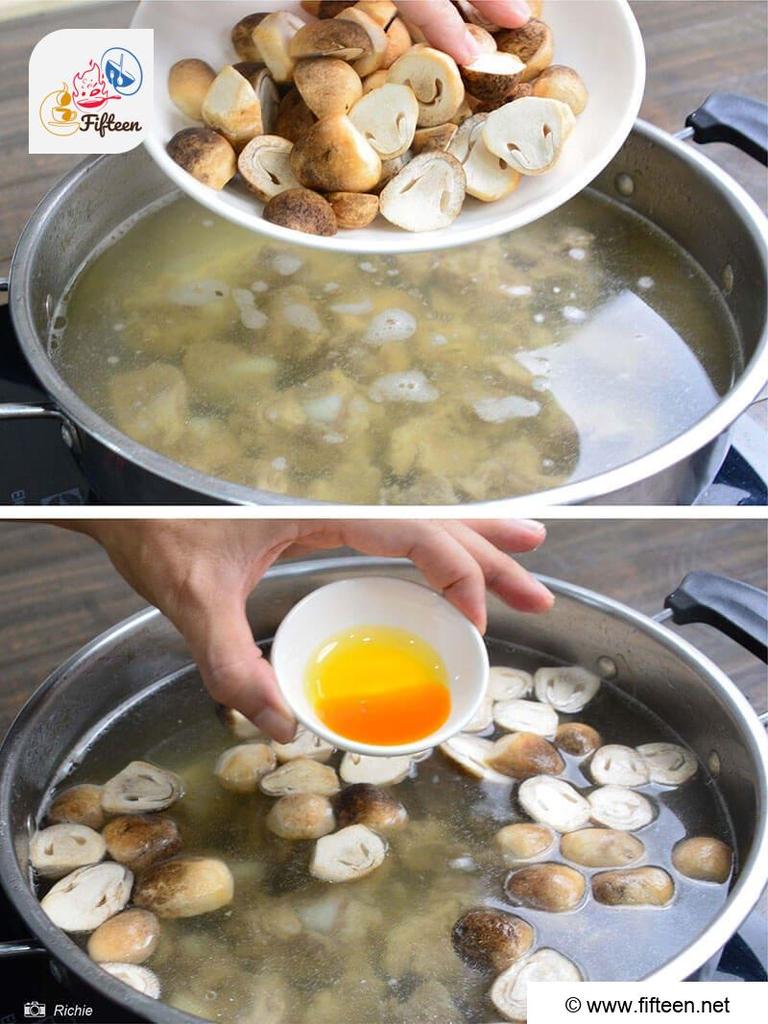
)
(34, 1010)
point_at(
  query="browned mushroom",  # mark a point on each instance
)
(130, 937)
(80, 805)
(301, 210)
(301, 816)
(365, 804)
(188, 82)
(559, 82)
(373, 59)
(633, 887)
(525, 840)
(272, 38)
(525, 754)
(551, 887)
(140, 840)
(354, 209)
(338, 37)
(601, 847)
(704, 858)
(205, 155)
(294, 118)
(532, 43)
(242, 37)
(327, 85)
(438, 137)
(487, 938)
(334, 156)
(185, 887)
(492, 76)
(577, 738)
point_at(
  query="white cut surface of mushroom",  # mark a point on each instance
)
(83, 900)
(59, 849)
(141, 787)
(137, 977)
(427, 194)
(265, 166)
(506, 683)
(617, 765)
(386, 117)
(526, 716)
(239, 768)
(619, 807)
(488, 178)
(352, 852)
(378, 771)
(304, 744)
(567, 688)
(232, 108)
(509, 993)
(372, 61)
(272, 36)
(435, 80)
(301, 775)
(240, 726)
(554, 802)
(482, 718)
(470, 753)
(529, 133)
(668, 764)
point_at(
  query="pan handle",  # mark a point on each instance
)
(738, 120)
(737, 609)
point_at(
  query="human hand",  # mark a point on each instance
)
(445, 29)
(199, 573)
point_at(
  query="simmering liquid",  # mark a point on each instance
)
(514, 365)
(379, 685)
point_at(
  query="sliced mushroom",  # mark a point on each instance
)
(375, 81)
(529, 133)
(240, 726)
(438, 137)
(303, 744)
(601, 848)
(383, 12)
(619, 766)
(204, 154)
(509, 993)
(554, 802)
(551, 887)
(80, 805)
(472, 16)
(141, 787)
(427, 194)
(268, 97)
(470, 753)
(294, 117)
(373, 59)
(525, 754)
(524, 841)
(558, 82)
(139, 840)
(139, 978)
(386, 117)
(324, 8)
(435, 80)
(704, 858)
(185, 887)
(364, 804)
(188, 83)
(493, 75)
(335, 157)
(80, 902)
(130, 937)
(487, 938)
(398, 42)
(389, 169)
(240, 768)
(242, 37)
(59, 849)
(488, 178)
(577, 738)
(301, 816)
(668, 764)
(532, 43)
(482, 718)
(505, 683)
(379, 771)
(265, 166)
(232, 108)
(340, 38)
(352, 852)
(301, 775)
(273, 37)
(633, 887)
(525, 716)
(566, 688)
(353, 209)
(327, 85)
(619, 807)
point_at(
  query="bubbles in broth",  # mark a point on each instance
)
(514, 365)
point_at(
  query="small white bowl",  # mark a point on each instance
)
(381, 601)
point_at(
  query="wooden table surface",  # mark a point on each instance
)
(694, 47)
(58, 590)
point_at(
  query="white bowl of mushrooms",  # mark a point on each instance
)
(349, 133)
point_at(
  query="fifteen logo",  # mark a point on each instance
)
(68, 110)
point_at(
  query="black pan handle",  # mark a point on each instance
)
(737, 609)
(738, 120)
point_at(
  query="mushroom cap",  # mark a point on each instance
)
(59, 849)
(529, 134)
(525, 716)
(139, 978)
(523, 841)
(379, 771)
(488, 938)
(532, 43)
(551, 887)
(488, 178)
(272, 37)
(525, 754)
(140, 840)
(373, 59)
(239, 768)
(352, 852)
(386, 117)
(507, 683)
(364, 804)
(129, 937)
(427, 194)
(324, 8)
(383, 12)
(294, 117)
(301, 816)
(618, 765)
(242, 37)
(301, 775)
(509, 993)
(241, 727)
(668, 764)
(435, 80)
(301, 209)
(568, 688)
(483, 38)
(84, 899)
(704, 858)
(493, 75)
(354, 209)
(185, 887)
(438, 137)
(141, 787)
(398, 42)
(601, 847)
(338, 37)
(577, 738)
(554, 802)
(470, 753)
(646, 886)
(619, 807)
(205, 155)
(188, 82)
(327, 85)
(559, 82)
(334, 156)
(304, 744)
(80, 805)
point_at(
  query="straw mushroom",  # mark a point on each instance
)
(488, 178)
(303, 744)
(485, 41)
(80, 805)
(375, 81)
(232, 107)
(554, 802)
(373, 59)
(482, 718)
(353, 209)
(551, 887)
(327, 85)
(241, 727)
(139, 978)
(339, 37)
(529, 133)
(188, 83)
(324, 8)
(509, 993)
(567, 688)
(532, 43)
(471, 753)
(379, 771)
(265, 166)
(506, 683)
(240, 768)
(524, 841)
(619, 807)
(294, 117)
(86, 898)
(334, 156)
(272, 38)
(668, 764)
(185, 887)
(382, 11)
(301, 816)
(130, 937)
(559, 82)
(525, 716)
(438, 137)
(59, 849)
(492, 76)
(577, 738)
(427, 194)
(617, 765)
(268, 97)
(487, 938)
(205, 155)
(435, 80)
(141, 787)
(140, 840)
(364, 804)
(352, 852)
(601, 848)
(634, 887)
(300, 776)
(398, 42)
(387, 119)
(242, 37)
(473, 17)
(704, 858)
(524, 754)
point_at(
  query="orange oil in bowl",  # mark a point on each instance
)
(379, 685)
